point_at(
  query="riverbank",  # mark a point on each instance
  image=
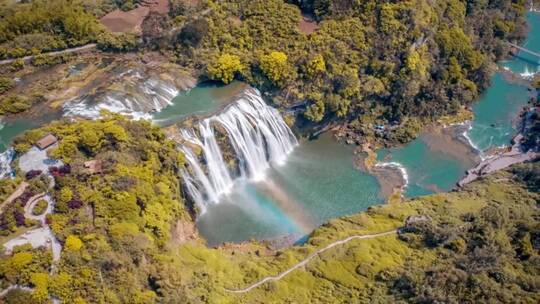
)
(518, 152)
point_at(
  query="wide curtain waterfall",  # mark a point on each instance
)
(258, 135)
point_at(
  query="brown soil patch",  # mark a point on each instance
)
(307, 25)
(160, 6)
(184, 231)
(235, 21)
(118, 21)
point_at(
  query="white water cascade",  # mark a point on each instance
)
(6, 158)
(137, 96)
(259, 136)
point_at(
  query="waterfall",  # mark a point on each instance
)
(137, 97)
(6, 158)
(257, 133)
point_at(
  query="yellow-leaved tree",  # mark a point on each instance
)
(224, 68)
(73, 243)
(276, 67)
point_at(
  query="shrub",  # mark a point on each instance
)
(40, 207)
(14, 104)
(17, 65)
(117, 43)
(32, 174)
(6, 84)
(43, 60)
(17, 296)
(73, 243)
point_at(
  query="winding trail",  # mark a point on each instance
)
(18, 192)
(309, 258)
(83, 48)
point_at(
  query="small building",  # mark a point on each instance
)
(47, 141)
(93, 166)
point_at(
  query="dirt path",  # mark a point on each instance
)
(32, 203)
(18, 192)
(83, 48)
(309, 258)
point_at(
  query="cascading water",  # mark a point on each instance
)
(136, 97)
(6, 158)
(258, 135)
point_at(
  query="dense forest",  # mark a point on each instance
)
(40, 26)
(361, 60)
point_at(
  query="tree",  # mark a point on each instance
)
(193, 32)
(65, 195)
(276, 67)
(225, 67)
(66, 150)
(338, 105)
(316, 65)
(40, 282)
(315, 112)
(73, 243)
(60, 286)
(90, 140)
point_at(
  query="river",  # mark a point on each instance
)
(435, 166)
(318, 182)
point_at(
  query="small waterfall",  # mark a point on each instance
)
(6, 158)
(257, 133)
(528, 74)
(137, 97)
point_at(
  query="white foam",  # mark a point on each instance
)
(398, 166)
(465, 135)
(6, 158)
(528, 74)
(138, 99)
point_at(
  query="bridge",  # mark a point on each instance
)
(537, 55)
